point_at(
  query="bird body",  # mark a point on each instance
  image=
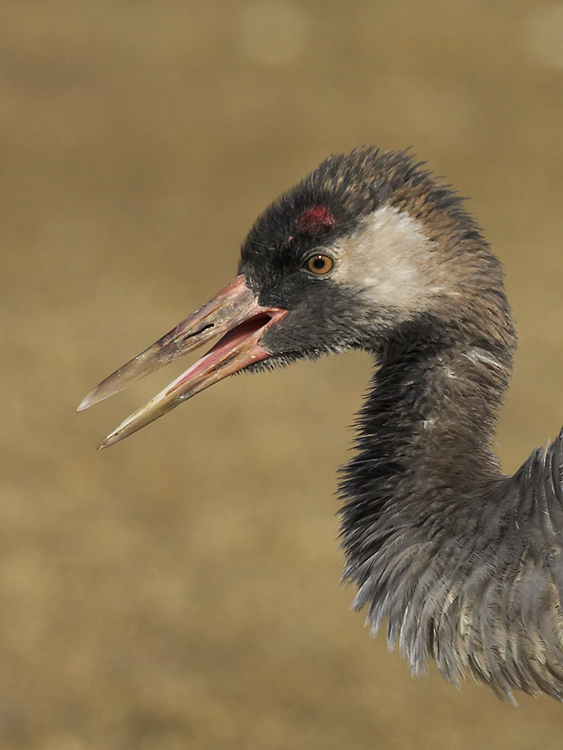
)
(370, 251)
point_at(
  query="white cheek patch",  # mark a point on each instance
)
(391, 260)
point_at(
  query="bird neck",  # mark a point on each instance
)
(463, 561)
(424, 433)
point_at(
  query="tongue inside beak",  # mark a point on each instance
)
(234, 314)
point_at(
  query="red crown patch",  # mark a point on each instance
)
(315, 219)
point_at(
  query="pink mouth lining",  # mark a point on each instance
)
(229, 343)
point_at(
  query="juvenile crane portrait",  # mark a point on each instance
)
(370, 252)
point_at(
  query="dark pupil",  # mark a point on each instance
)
(319, 263)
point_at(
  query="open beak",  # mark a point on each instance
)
(234, 314)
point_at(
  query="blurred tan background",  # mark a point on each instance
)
(181, 590)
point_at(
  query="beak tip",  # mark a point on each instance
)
(114, 437)
(86, 402)
(107, 441)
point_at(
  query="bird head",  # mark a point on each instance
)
(364, 245)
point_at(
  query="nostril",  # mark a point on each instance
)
(192, 334)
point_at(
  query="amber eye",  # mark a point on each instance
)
(319, 264)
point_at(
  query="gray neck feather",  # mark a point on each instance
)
(463, 561)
